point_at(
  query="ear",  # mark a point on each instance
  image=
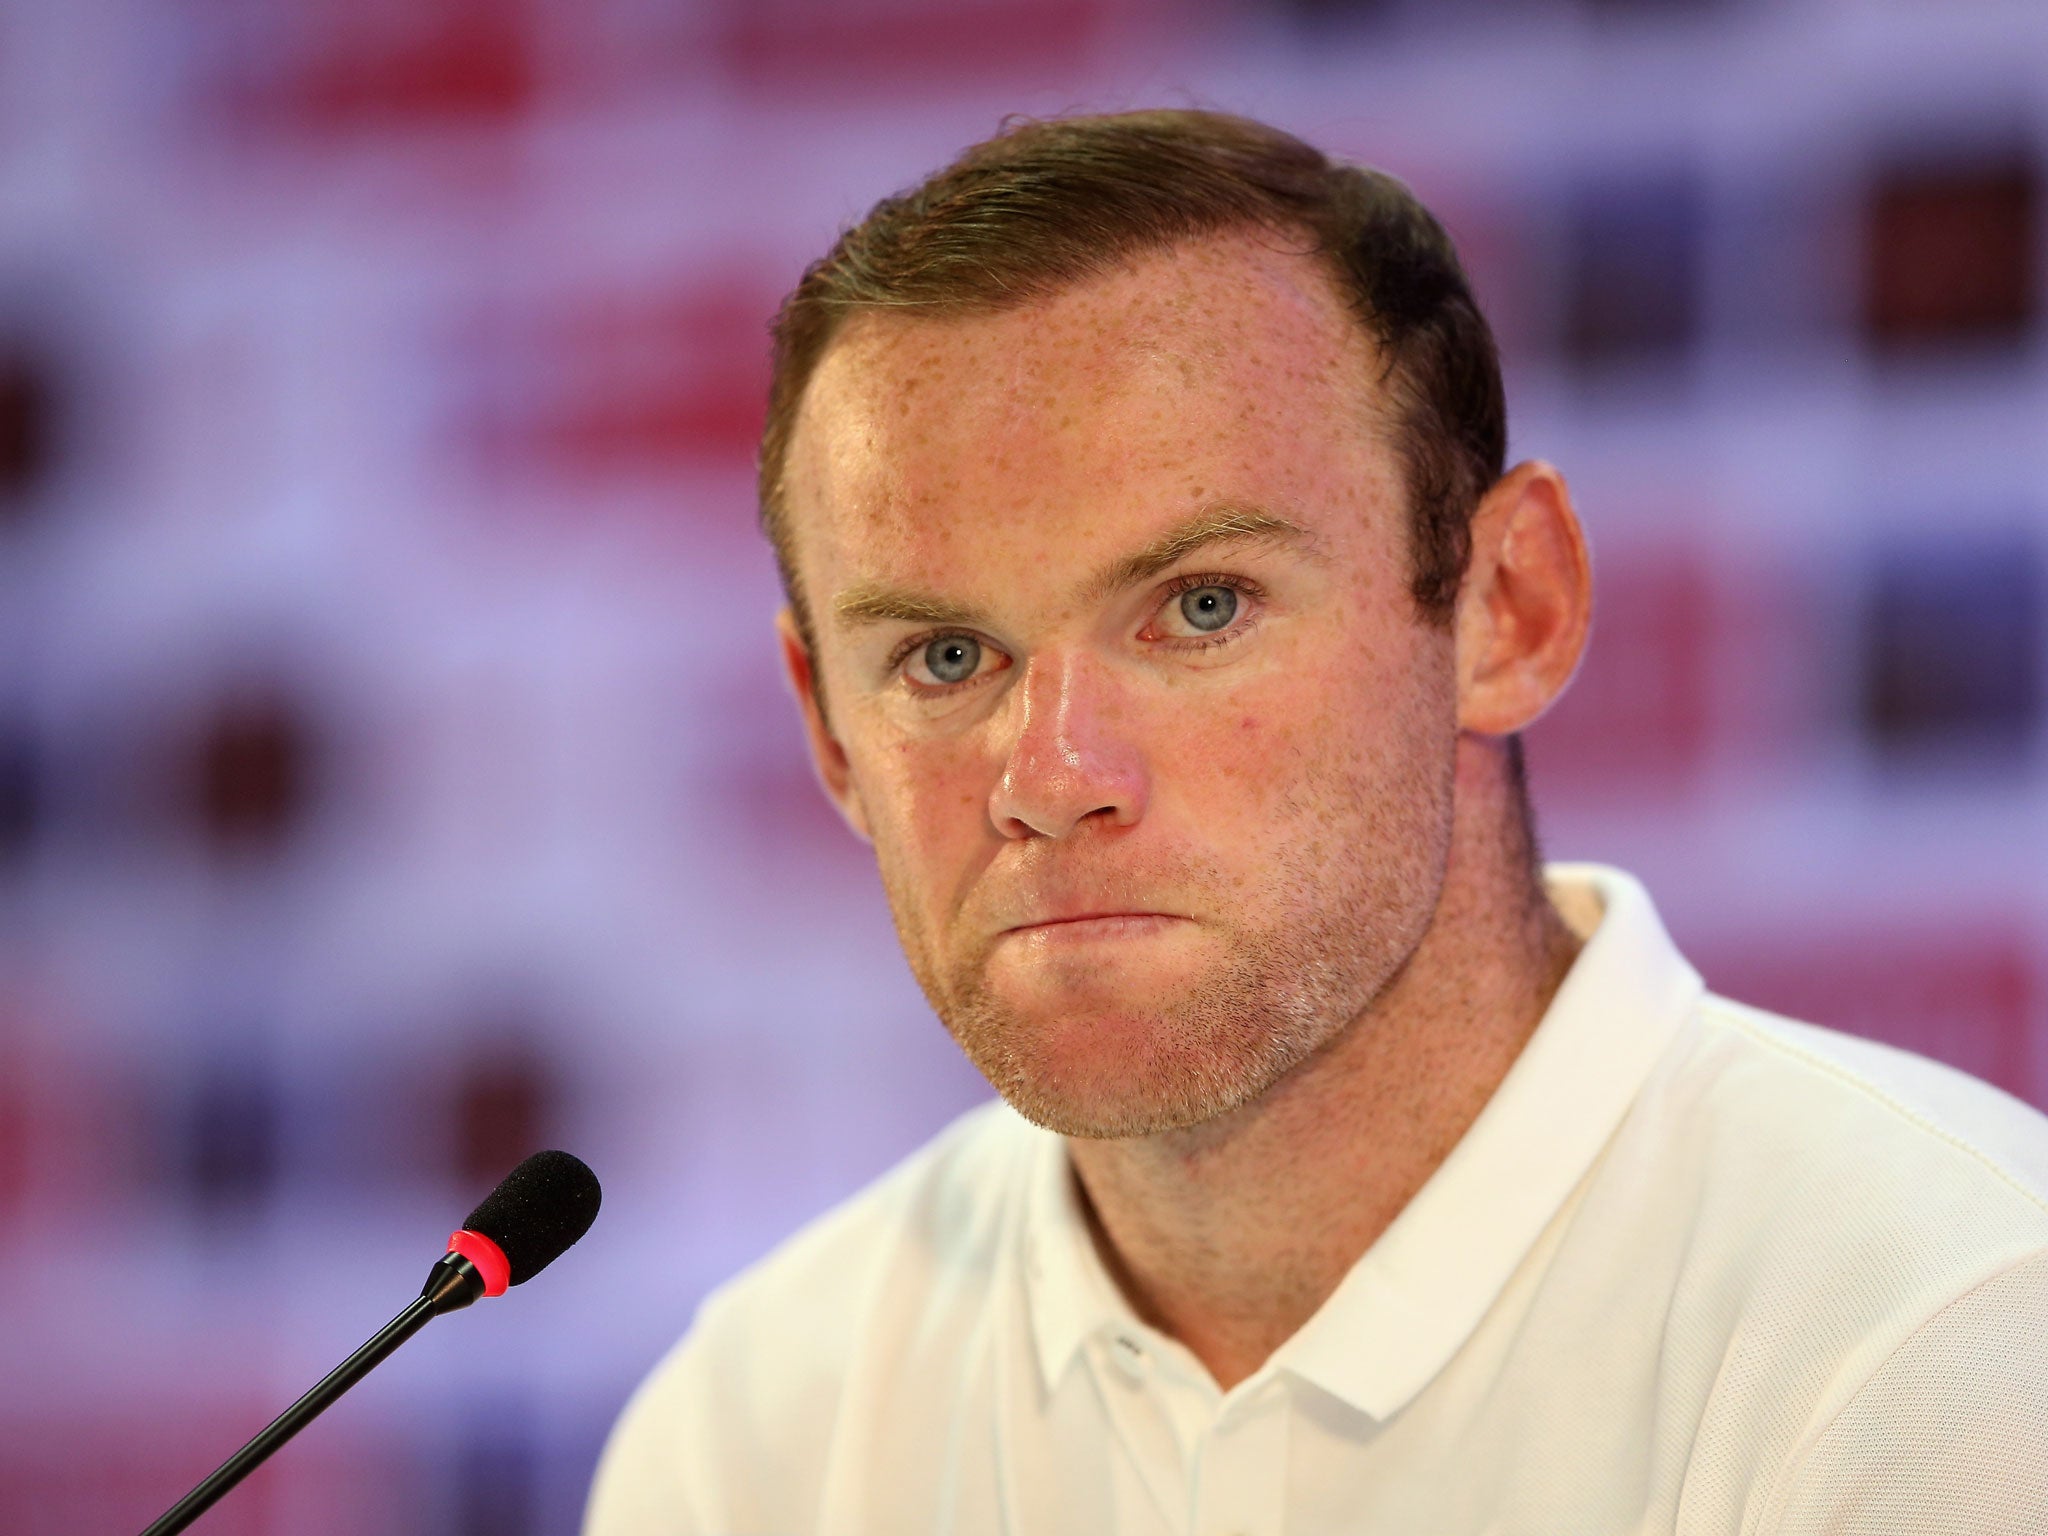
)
(1526, 603)
(827, 756)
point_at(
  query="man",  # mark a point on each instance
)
(1161, 610)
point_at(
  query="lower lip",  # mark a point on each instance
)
(1081, 930)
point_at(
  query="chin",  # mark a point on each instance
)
(1111, 1075)
(1116, 1040)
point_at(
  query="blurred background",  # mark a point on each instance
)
(395, 775)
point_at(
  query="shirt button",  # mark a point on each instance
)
(1131, 1358)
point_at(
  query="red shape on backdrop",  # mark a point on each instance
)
(16, 1088)
(627, 383)
(856, 42)
(1968, 997)
(340, 65)
(1638, 716)
(252, 775)
(506, 1100)
(1951, 254)
(704, 397)
(30, 431)
(71, 1121)
(151, 1439)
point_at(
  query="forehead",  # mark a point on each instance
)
(1225, 369)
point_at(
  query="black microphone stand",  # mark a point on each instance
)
(452, 1284)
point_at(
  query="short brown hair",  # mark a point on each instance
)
(1046, 204)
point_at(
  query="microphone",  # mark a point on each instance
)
(521, 1227)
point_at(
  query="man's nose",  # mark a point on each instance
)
(1072, 755)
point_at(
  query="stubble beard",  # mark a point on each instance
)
(1211, 1046)
(1220, 1038)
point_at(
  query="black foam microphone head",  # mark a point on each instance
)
(539, 1209)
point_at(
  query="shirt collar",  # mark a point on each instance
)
(1416, 1295)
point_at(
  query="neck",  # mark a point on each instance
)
(1229, 1235)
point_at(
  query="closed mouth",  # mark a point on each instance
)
(1089, 917)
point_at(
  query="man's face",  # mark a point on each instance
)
(1123, 675)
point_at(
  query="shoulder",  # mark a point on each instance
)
(1943, 1436)
(743, 1409)
(1849, 1220)
(1915, 1132)
(1849, 1182)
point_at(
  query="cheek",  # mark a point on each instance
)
(1222, 770)
(1322, 741)
(927, 804)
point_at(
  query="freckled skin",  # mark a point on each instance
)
(1346, 948)
(1300, 842)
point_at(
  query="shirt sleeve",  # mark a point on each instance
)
(1949, 1437)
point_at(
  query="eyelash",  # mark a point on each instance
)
(1195, 581)
(1189, 582)
(906, 649)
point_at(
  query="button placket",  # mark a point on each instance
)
(1132, 1358)
(1125, 1366)
(1240, 1468)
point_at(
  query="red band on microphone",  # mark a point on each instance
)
(487, 1256)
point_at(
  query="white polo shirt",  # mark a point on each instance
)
(1693, 1269)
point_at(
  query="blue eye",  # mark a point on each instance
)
(1209, 608)
(953, 658)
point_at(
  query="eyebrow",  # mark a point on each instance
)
(1224, 524)
(872, 602)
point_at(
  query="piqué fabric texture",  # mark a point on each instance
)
(1695, 1269)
